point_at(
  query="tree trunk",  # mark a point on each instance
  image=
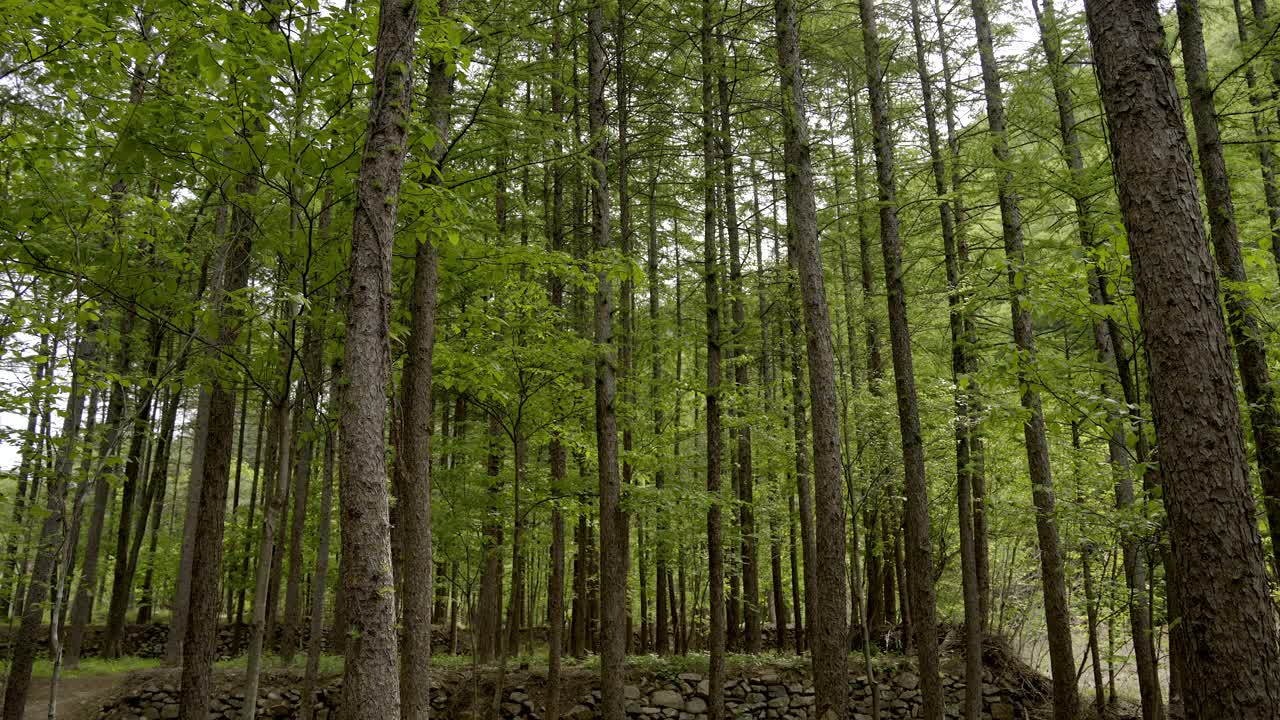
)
(1135, 571)
(830, 647)
(190, 521)
(200, 644)
(370, 687)
(1232, 662)
(1244, 321)
(414, 495)
(717, 638)
(959, 371)
(50, 542)
(613, 525)
(919, 571)
(1053, 580)
(319, 585)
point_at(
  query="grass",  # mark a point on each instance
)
(90, 667)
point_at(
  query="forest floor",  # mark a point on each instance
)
(78, 696)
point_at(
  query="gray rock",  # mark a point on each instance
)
(667, 699)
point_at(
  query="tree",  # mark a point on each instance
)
(1202, 460)
(830, 657)
(369, 685)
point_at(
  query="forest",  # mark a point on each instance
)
(555, 352)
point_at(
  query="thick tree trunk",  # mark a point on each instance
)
(370, 687)
(1232, 661)
(830, 646)
(1135, 571)
(1244, 319)
(718, 635)
(919, 571)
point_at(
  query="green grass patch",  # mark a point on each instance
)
(90, 667)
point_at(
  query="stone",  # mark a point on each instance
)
(909, 680)
(1002, 711)
(667, 699)
(695, 705)
(631, 692)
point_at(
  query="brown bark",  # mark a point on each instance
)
(319, 584)
(830, 646)
(1052, 575)
(1231, 659)
(718, 636)
(959, 371)
(1135, 570)
(199, 645)
(919, 549)
(1244, 321)
(613, 525)
(370, 687)
(414, 494)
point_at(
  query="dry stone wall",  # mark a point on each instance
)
(768, 695)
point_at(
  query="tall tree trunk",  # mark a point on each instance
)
(1232, 661)
(1244, 321)
(190, 522)
(489, 622)
(82, 607)
(661, 545)
(125, 561)
(919, 548)
(200, 644)
(558, 455)
(319, 585)
(1118, 453)
(1261, 130)
(741, 372)
(159, 480)
(414, 495)
(308, 393)
(959, 371)
(613, 525)
(830, 647)
(715, 548)
(370, 687)
(1053, 579)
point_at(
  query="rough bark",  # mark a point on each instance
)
(613, 525)
(830, 647)
(1134, 563)
(199, 646)
(718, 635)
(919, 549)
(1244, 320)
(370, 687)
(1232, 661)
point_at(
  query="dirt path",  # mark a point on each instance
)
(78, 697)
